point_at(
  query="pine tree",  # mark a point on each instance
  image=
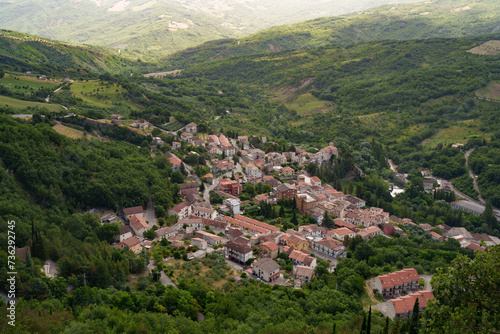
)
(282, 211)
(334, 328)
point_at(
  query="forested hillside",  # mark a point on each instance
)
(430, 19)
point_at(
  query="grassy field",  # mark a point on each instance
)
(23, 84)
(491, 48)
(490, 92)
(456, 134)
(67, 131)
(19, 104)
(183, 269)
(100, 95)
(307, 104)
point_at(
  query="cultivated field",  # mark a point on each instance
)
(19, 104)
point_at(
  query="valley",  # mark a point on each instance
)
(313, 177)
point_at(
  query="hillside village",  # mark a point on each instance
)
(210, 218)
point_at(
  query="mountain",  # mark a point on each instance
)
(440, 18)
(158, 27)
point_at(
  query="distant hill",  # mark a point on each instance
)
(23, 52)
(441, 18)
(149, 28)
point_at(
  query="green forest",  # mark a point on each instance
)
(419, 102)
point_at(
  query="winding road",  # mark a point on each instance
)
(474, 177)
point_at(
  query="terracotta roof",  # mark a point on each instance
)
(138, 223)
(246, 225)
(235, 233)
(332, 244)
(271, 245)
(315, 179)
(180, 206)
(257, 223)
(188, 185)
(241, 240)
(342, 223)
(399, 277)
(475, 247)
(342, 231)
(130, 242)
(301, 257)
(133, 211)
(405, 304)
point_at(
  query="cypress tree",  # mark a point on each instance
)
(369, 322)
(413, 323)
(386, 327)
(363, 325)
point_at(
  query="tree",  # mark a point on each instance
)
(294, 220)
(488, 217)
(327, 221)
(466, 295)
(149, 234)
(413, 325)
(177, 177)
(38, 289)
(202, 187)
(369, 321)
(2, 73)
(108, 232)
(386, 327)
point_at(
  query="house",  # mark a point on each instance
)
(232, 234)
(141, 124)
(253, 171)
(138, 225)
(242, 241)
(230, 186)
(315, 181)
(125, 233)
(266, 269)
(262, 197)
(342, 223)
(268, 249)
(428, 185)
(175, 161)
(209, 178)
(181, 210)
(237, 252)
(435, 236)
(134, 211)
(165, 232)
(299, 258)
(176, 145)
(402, 307)
(116, 117)
(329, 247)
(287, 171)
(191, 127)
(297, 243)
(210, 238)
(215, 225)
(186, 136)
(286, 191)
(196, 224)
(369, 232)
(341, 233)
(303, 273)
(200, 243)
(133, 243)
(248, 228)
(394, 283)
(233, 204)
(357, 202)
(188, 191)
(203, 212)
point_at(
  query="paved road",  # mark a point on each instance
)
(149, 215)
(471, 174)
(206, 194)
(165, 280)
